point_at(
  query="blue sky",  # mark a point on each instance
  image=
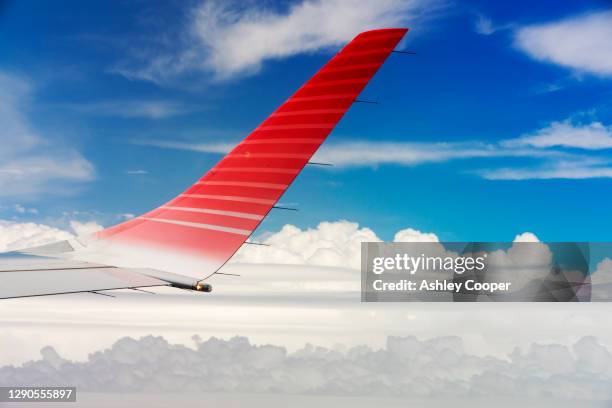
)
(500, 124)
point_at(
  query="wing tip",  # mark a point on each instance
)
(399, 30)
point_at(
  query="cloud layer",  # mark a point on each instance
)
(405, 367)
(581, 43)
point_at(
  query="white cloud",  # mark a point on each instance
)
(20, 209)
(29, 163)
(15, 236)
(151, 109)
(136, 172)
(592, 136)
(484, 25)
(601, 279)
(565, 134)
(581, 43)
(412, 235)
(328, 255)
(334, 244)
(231, 38)
(526, 260)
(552, 163)
(85, 228)
(220, 148)
(406, 367)
(337, 245)
(571, 170)
(526, 237)
(330, 244)
(374, 153)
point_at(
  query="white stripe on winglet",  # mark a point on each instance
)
(199, 225)
(215, 212)
(231, 198)
(244, 184)
(284, 141)
(257, 170)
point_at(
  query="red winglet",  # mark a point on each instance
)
(215, 216)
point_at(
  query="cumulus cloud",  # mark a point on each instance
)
(336, 244)
(412, 235)
(580, 43)
(330, 243)
(601, 281)
(230, 38)
(20, 235)
(590, 136)
(29, 163)
(405, 367)
(526, 261)
(526, 237)
(14, 235)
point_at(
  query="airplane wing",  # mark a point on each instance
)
(48, 270)
(24, 275)
(197, 232)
